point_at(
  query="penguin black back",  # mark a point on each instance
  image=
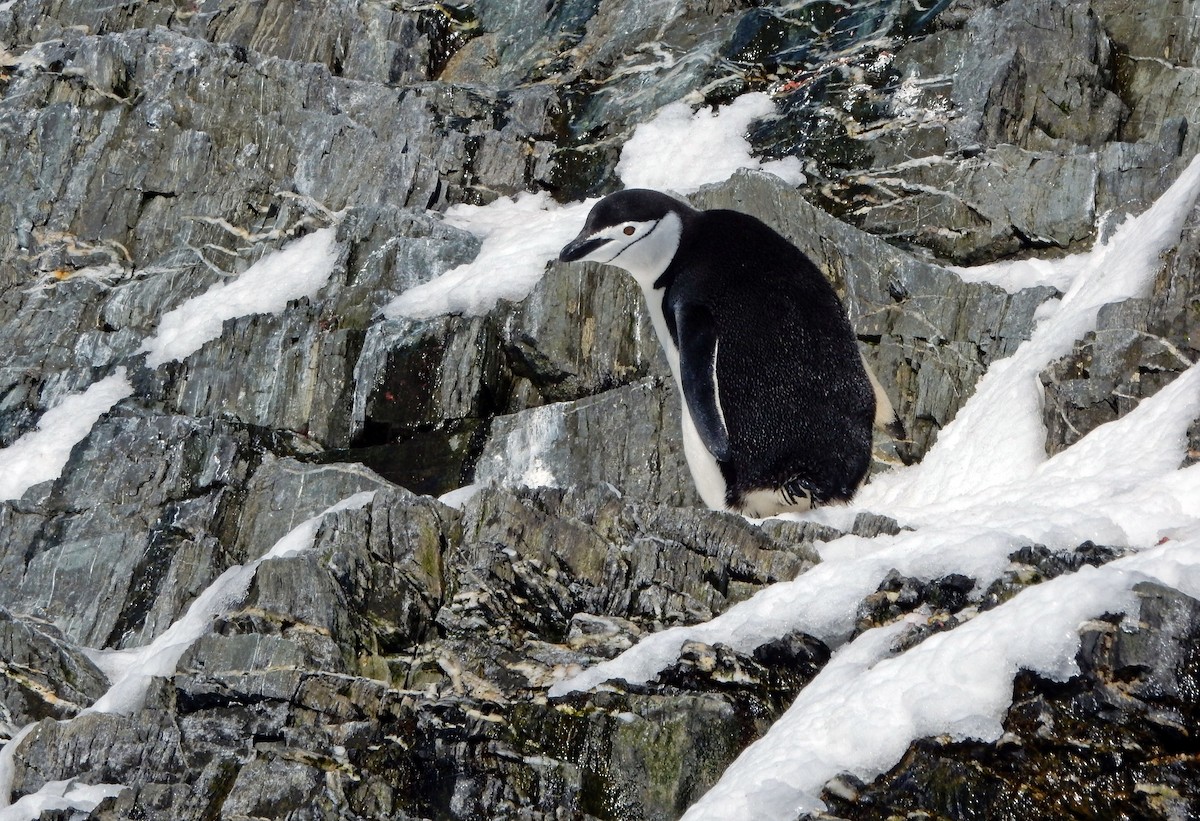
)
(796, 400)
(778, 407)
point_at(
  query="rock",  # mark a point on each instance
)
(192, 198)
(603, 636)
(1101, 742)
(423, 392)
(898, 595)
(425, 388)
(1006, 92)
(1138, 347)
(398, 667)
(1004, 200)
(126, 536)
(581, 331)
(628, 437)
(360, 41)
(963, 139)
(42, 675)
(358, 664)
(312, 349)
(606, 555)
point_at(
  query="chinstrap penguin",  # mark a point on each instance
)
(778, 406)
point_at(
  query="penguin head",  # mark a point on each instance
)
(637, 230)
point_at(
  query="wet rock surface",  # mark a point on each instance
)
(398, 668)
(1116, 740)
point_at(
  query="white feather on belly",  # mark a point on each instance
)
(706, 473)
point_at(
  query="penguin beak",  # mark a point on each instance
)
(580, 247)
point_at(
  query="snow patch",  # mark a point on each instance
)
(998, 438)
(62, 796)
(957, 683)
(680, 150)
(519, 235)
(296, 270)
(459, 497)
(41, 455)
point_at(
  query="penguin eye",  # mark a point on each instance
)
(629, 229)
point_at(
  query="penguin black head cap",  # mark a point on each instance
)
(625, 210)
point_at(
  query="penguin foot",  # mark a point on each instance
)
(793, 497)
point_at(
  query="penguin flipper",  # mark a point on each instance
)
(698, 345)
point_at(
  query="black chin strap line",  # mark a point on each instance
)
(653, 228)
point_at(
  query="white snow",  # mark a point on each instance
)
(1017, 275)
(59, 795)
(458, 497)
(41, 454)
(985, 489)
(519, 235)
(862, 711)
(131, 671)
(1005, 411)
(677, 150)
(296, 270)
(680, 150)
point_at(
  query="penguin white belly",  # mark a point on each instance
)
(706, 473)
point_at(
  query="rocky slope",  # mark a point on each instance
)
(398, 666)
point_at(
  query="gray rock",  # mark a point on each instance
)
(1125, 705)
(424, 389)
(337, 146)
(974, 139)
(126, 536)
(582, 330)
(284, 492)
(1139, 346)
(1006, 91)
(42, 675)
(1002, 201)
(193, 195)
(628, 438)
(605, 555)
(1152, 36)
(358, 40)
(398, 668)
(292, 681)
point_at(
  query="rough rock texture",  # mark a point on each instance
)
(1139, 346)
(44, 676)
(408, 678)
(1116, 741)
(969, 143)
(398, 668)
